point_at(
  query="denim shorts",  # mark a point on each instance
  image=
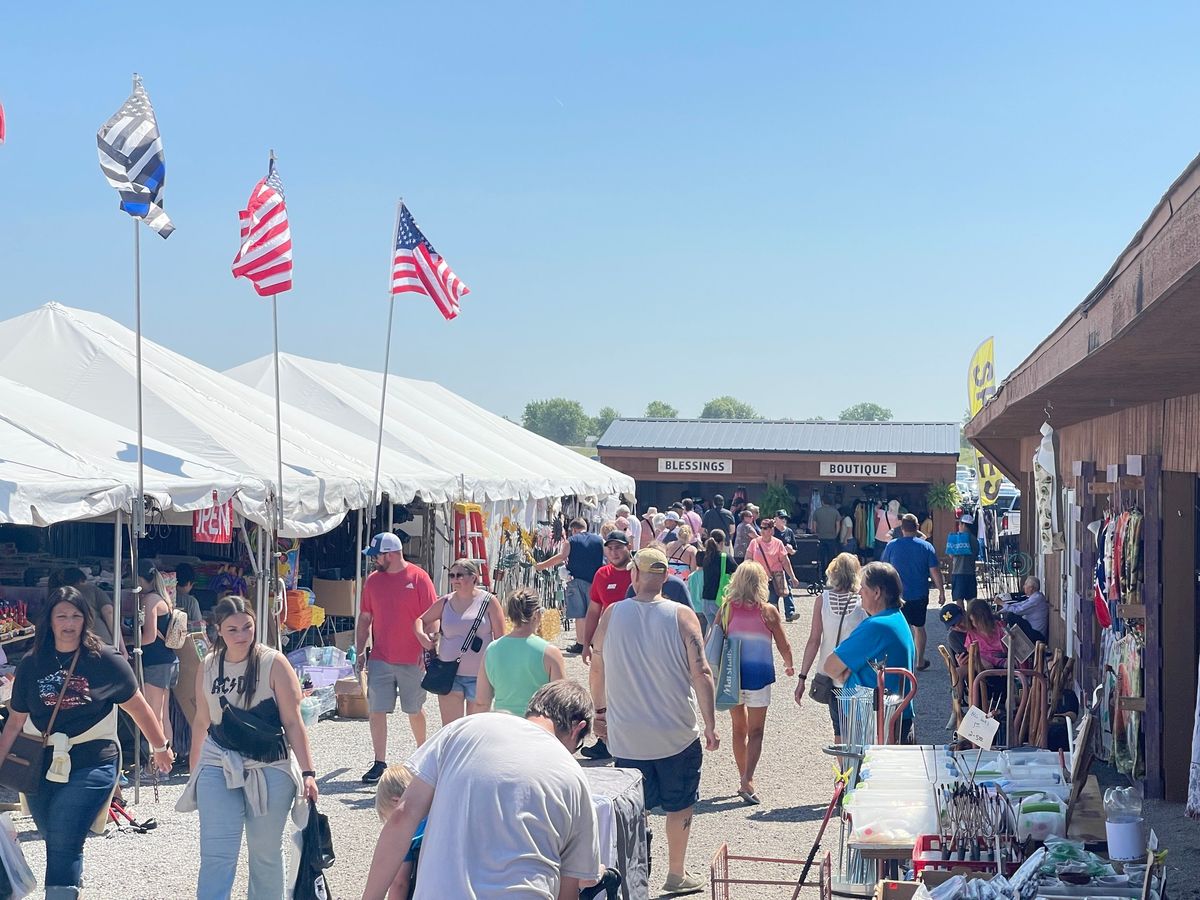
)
(165, 675)
(465, 684)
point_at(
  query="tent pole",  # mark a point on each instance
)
(138, 614)
(116, 624)
(358, 568)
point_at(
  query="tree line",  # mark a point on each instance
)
(567, 422)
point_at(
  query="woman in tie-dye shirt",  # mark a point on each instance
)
(750, 619)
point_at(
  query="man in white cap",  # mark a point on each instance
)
(963, 588)
(649, 677)
(394, 596)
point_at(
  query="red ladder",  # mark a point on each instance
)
(468, 538)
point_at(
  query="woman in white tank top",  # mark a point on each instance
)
(839, 613)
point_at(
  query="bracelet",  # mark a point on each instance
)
(803, 676)
(163, 749)
(308, 773)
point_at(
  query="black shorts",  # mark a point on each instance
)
(672, 783)
(914, 612)
(964, 587)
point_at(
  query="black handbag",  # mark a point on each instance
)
(254, 733)
(440, 673)
(23, 768)
(822, 685)
(316, 855)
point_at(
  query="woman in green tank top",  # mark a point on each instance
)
(516, 665)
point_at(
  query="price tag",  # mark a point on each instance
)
(977, 728)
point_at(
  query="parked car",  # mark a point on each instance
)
(967, 482)
(1008, 514)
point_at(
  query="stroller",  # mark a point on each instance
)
(806, 563)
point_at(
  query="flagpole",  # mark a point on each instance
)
(387, 357)
(273, 569)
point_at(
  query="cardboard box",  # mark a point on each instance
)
(351, 698)
(895, 890)
(343, 640)
(336, 597)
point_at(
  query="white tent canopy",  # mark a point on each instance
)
(87, 360)
(495, 459)
(59, 463)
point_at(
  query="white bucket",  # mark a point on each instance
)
(1126, 838)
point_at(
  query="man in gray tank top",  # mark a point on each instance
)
(649, 678)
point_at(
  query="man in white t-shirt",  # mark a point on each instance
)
(633, 527)
(509, 810)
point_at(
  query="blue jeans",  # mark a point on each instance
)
(65, 812)
(223, 815)
(789, 605)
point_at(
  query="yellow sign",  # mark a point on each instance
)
(981, 385)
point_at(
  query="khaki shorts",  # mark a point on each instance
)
(386, 681)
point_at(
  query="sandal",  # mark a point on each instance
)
(749, 798)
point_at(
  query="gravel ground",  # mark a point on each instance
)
(794, 781)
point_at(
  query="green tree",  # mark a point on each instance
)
(866, 412)
(603, 419)
(728, 408)
(660, 409)
(558, 419)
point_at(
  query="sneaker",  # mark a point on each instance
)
(792, 617)
(374, 773)
(598, 750)
(686, 883)
(575, 648)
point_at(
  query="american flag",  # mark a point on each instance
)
(265, 256)
(417, 267)
(131, 157)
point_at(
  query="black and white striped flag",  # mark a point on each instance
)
(131, 158)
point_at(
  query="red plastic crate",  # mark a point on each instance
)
(927, 854)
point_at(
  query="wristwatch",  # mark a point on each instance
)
(802, 676)
(163, 749)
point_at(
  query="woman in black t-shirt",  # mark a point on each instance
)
(82, 754)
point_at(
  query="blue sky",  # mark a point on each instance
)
(803, 206)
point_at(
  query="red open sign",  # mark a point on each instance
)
(213, 525)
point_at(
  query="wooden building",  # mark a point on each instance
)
(1119, 382)
(845, 461)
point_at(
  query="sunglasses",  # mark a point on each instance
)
(460, 574)
(767, 527)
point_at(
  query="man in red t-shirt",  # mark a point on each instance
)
(394, 596)
(610, 584)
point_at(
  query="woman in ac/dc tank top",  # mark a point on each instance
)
(233, 790)
(446, 625)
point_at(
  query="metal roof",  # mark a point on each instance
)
(918, 438)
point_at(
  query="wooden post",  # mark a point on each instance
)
(1152, 598)
(1085, 628)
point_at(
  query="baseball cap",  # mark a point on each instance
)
(384, 543)
(782, 514)
(967, 519)
(617, 537)
(673, 516)
(651, 561)
(952, 614)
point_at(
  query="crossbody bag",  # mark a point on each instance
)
(22, 768)
(440, 673)
(822, 685)
(779, 580)
(255, 733)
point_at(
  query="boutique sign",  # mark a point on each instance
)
(856, 469)
(686, 466)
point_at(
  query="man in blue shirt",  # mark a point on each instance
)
(883, 637)
(583, 553)
(916, 561)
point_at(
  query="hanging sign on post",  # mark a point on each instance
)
(213, 525)
(978, 728)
